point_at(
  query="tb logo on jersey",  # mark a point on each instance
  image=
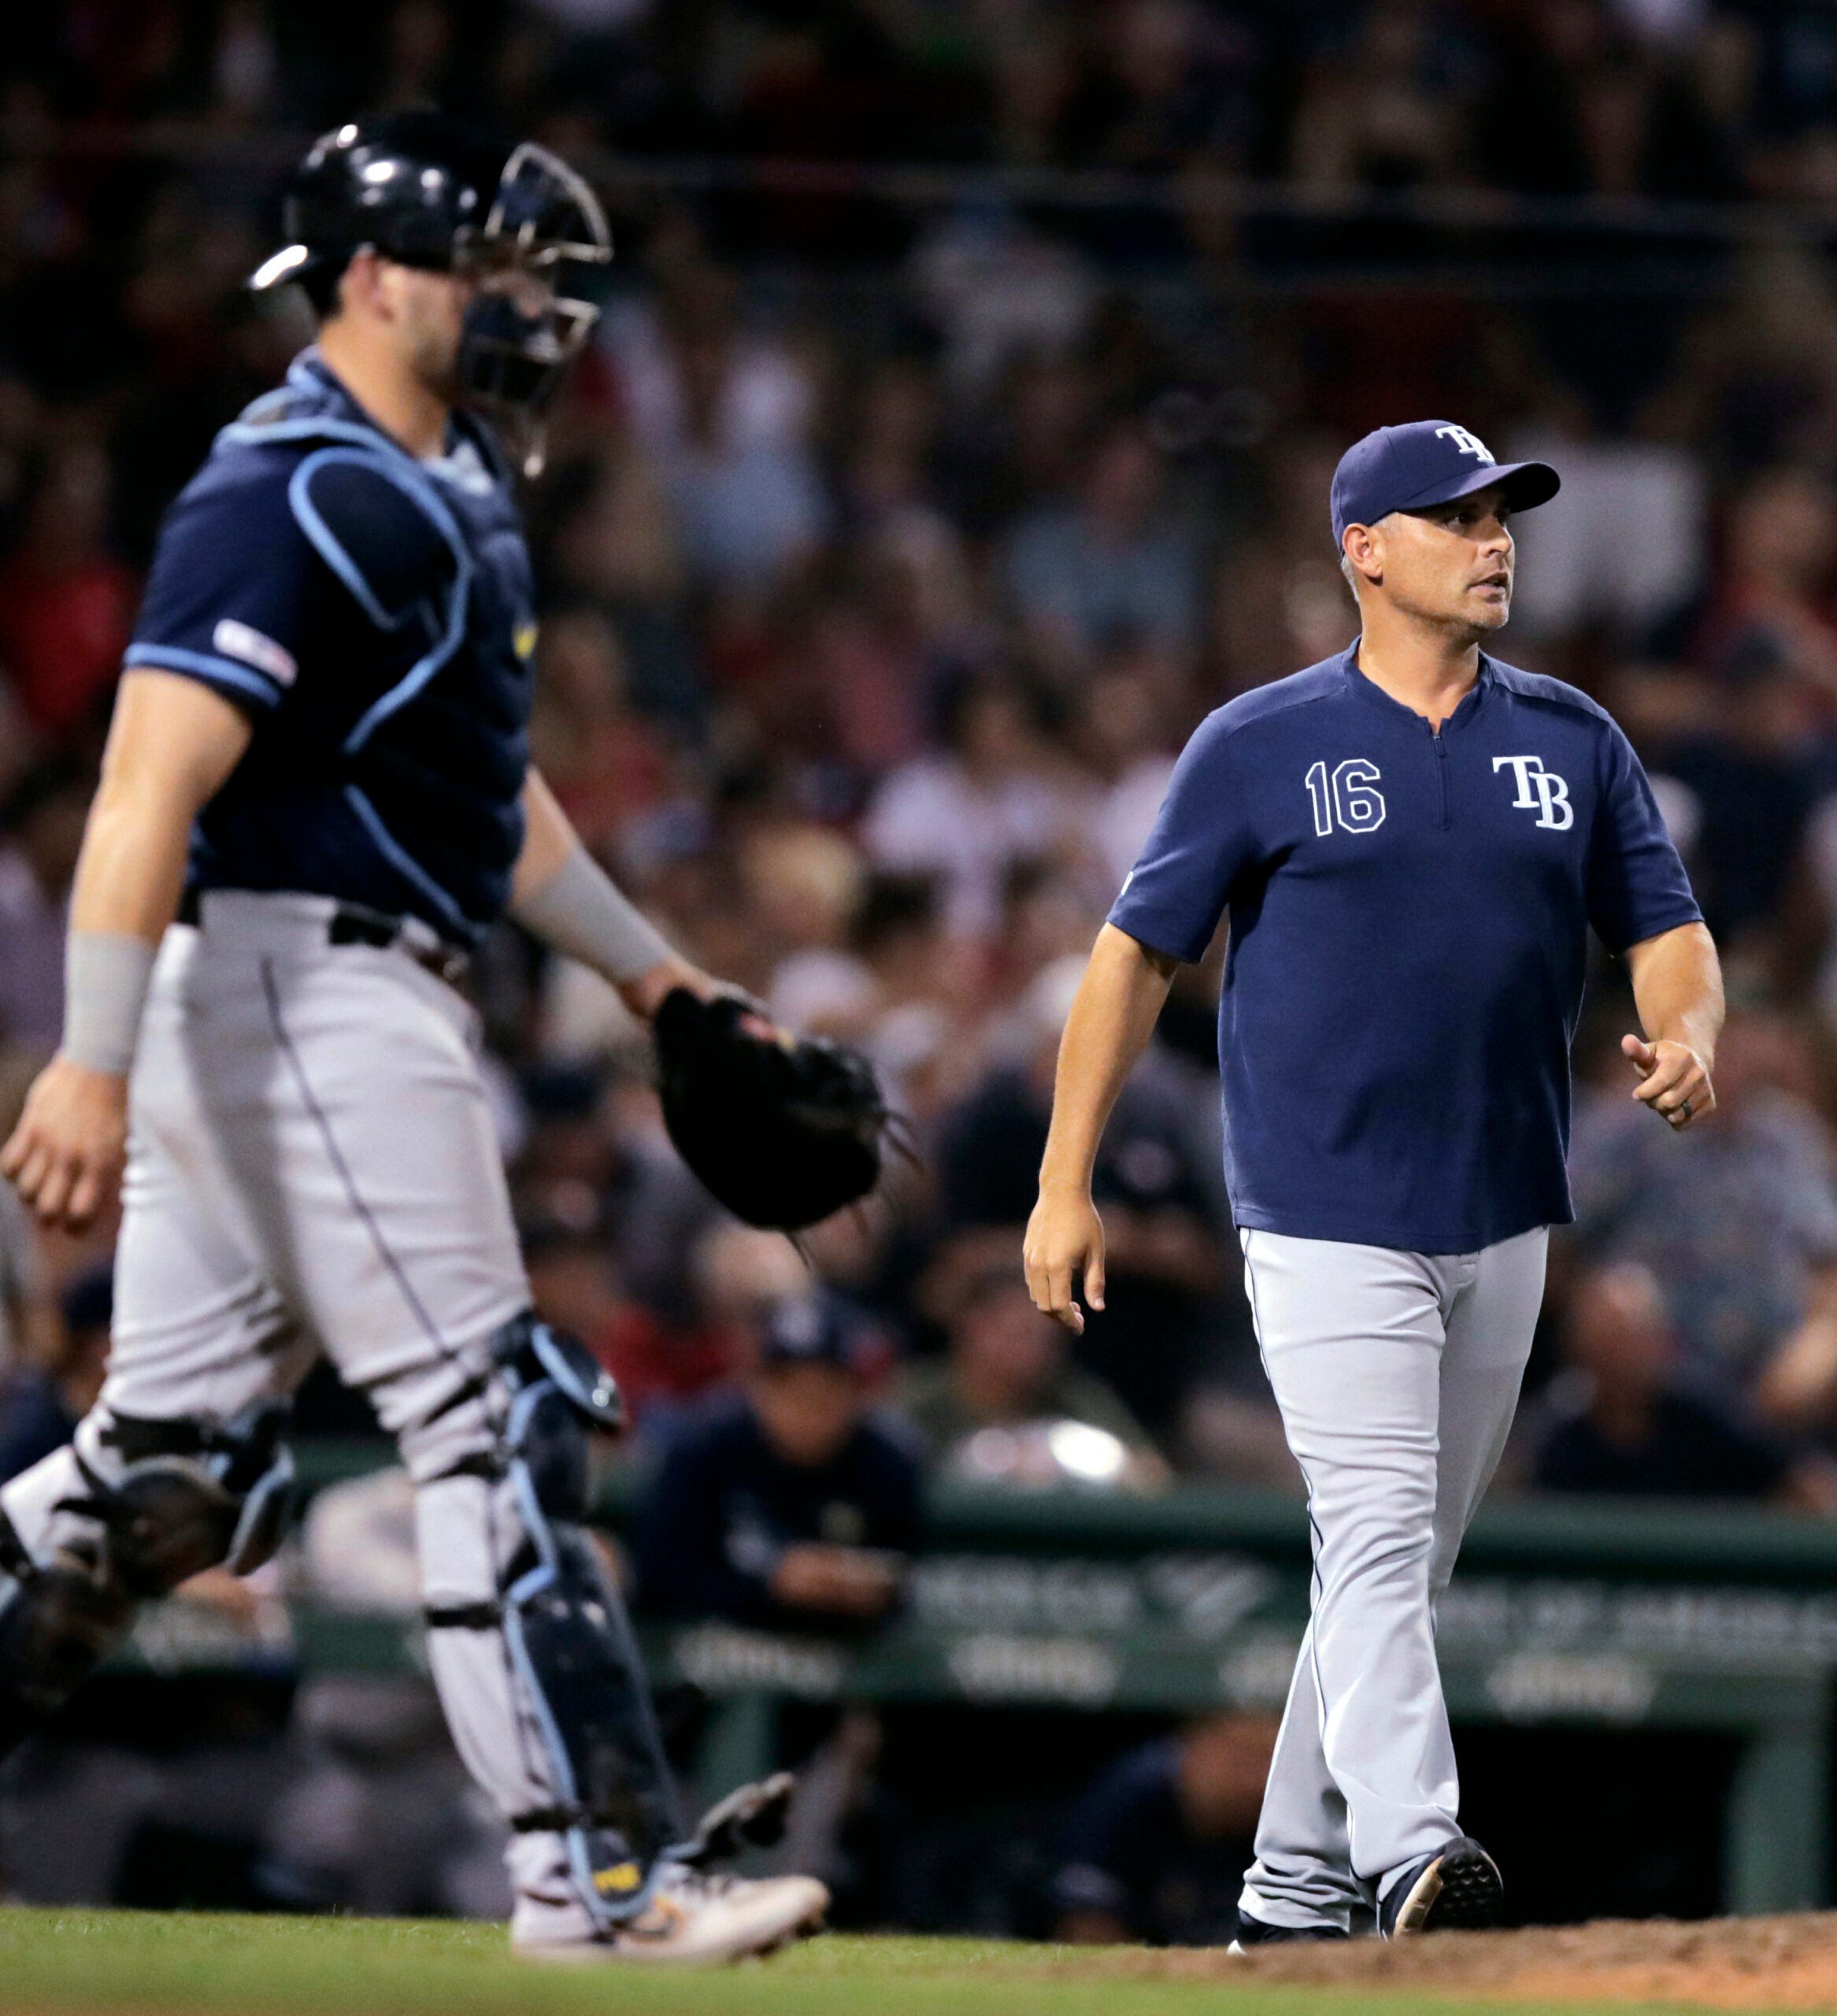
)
(1539, 790)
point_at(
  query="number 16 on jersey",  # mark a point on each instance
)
(1345, 798)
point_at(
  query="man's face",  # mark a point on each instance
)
(429, 312)
(1450, 563)
(807, 1411)
(1003, 1338)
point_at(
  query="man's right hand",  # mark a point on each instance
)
(1065, 1238)
(66, 1154)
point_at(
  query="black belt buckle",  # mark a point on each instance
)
(352, 925)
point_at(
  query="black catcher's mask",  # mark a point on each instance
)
(422, 189)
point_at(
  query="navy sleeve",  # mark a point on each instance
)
(226, 599)
(1637, 885)
(898, 1513)
(679, 1543)
(1203, 841)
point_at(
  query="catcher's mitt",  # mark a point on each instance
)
(781, 1129)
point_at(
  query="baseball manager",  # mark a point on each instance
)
(1411, 840)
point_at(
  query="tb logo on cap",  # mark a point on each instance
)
(1539, 790)
(1468, 444)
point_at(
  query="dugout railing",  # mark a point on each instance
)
(1613, 1615)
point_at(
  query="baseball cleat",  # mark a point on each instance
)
(692, 1919)
(1458, 1889)
(1253, 1932)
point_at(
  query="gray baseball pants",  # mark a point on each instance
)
(1397, 1374)
(312, 1167)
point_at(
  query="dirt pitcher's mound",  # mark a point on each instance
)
(1723, 1963)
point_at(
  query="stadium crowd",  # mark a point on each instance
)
(888, 551)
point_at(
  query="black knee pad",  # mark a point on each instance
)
(191, 1495)
(58, 1622)
(559, 1392)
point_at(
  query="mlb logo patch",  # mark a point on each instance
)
(241, 641)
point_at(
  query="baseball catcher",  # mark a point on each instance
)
(317, 799)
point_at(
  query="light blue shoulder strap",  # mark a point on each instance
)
(400, 473)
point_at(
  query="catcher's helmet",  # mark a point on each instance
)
(424, 190)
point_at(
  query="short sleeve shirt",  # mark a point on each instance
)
(372, 613)
(1409, 913)
(230, 593)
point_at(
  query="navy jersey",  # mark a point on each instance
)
(1408, 933)
(372, 613)
(724, 1505)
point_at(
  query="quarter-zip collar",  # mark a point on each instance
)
(1369, 688)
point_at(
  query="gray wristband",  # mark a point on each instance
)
(580, 912)
(105, 977)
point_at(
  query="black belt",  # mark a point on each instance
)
(351, 923)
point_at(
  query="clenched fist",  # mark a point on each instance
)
(1674, 1079)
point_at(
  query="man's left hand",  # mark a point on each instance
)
(1674, 1079)
(645, 994)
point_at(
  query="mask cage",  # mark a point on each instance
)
(544, 224)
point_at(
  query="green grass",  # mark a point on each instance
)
(85, 1962)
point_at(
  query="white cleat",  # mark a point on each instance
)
(694, 1919)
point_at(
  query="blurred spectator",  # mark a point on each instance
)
(1156, 1183)
(574, 1284)
(728, 422)
(41, 1402)
(1768, 643)
(1123, 735)
(41, 832)
(787, 1505)
(738, 1275)
(1383, 111)
(66, 601)
(1626, 550)
(1280, 600)
(1771, 615)
(1739, 1222)
(992, 796)
(1005, 1369)
(1108, 570)
(910, 624)
(604, 764)
(1755, 382)
(612, 541)
(1622, 1420)
(1155, 1849)
(803, 883)
(1000, 291)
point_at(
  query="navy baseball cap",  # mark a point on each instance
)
(813, 1329)
(1427, 461)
